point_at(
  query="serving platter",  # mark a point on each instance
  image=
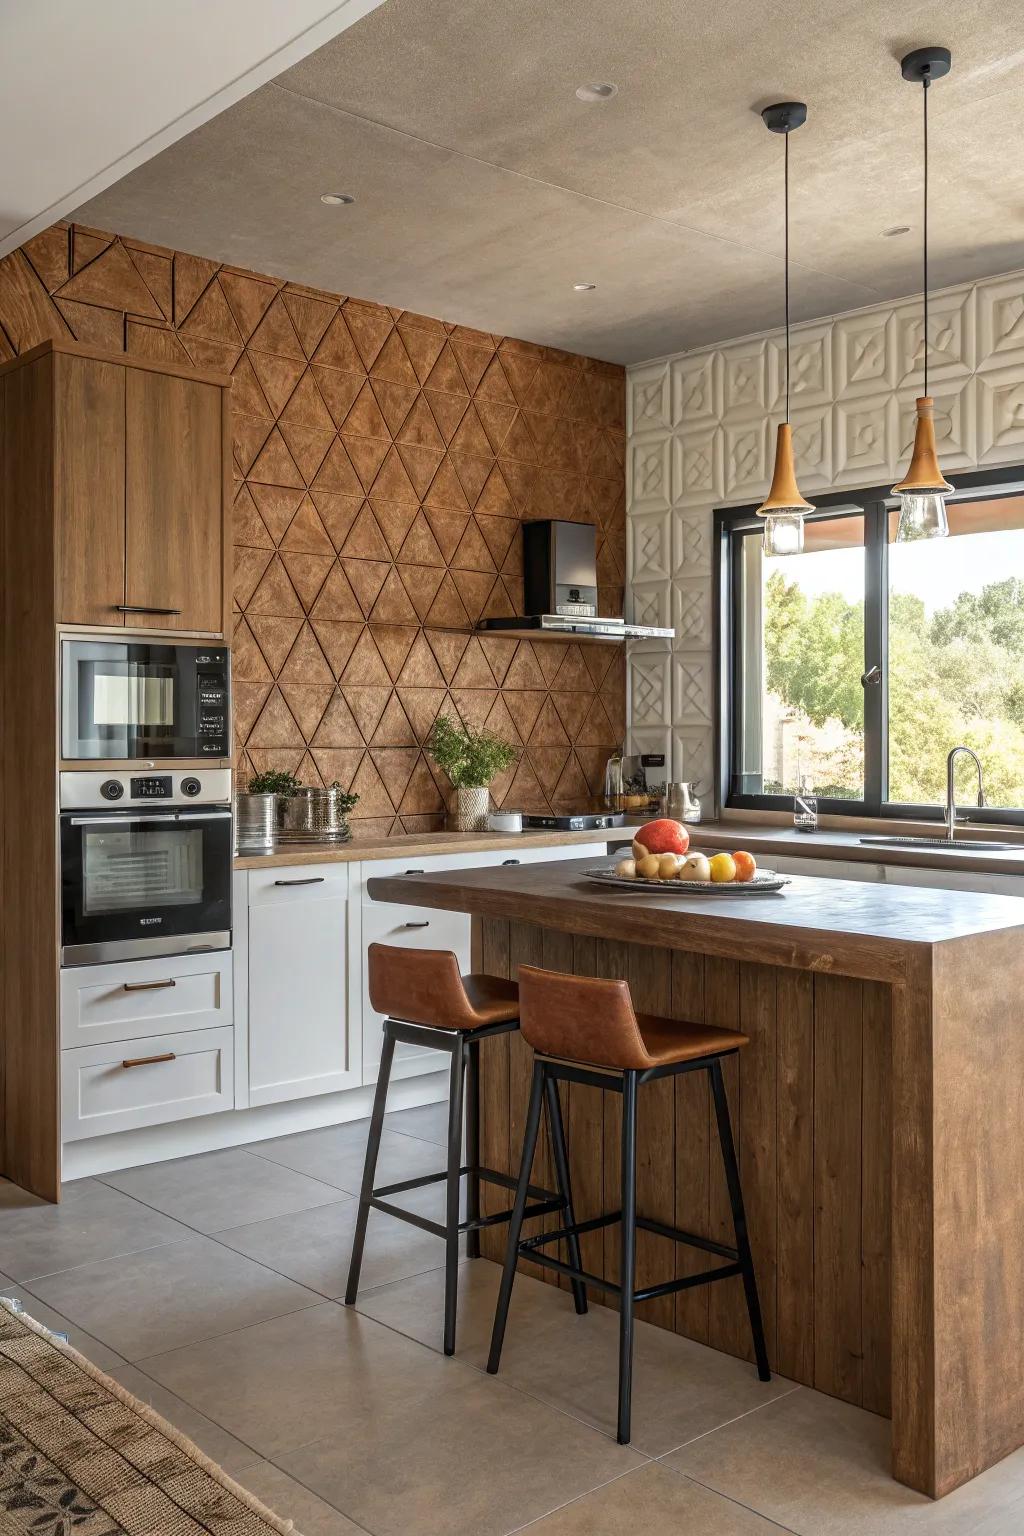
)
(764, 883)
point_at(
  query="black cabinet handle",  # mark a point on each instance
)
(510, 861)
(313, 880)
(141, 608)
(417, 925)
(414, 871)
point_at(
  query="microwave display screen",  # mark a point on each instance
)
(128, 868)
(121, 698)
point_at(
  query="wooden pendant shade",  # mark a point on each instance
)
(924, 474)
(784, 495)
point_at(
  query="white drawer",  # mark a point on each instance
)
(130, 999)
(99, 1094)
(308, 882)
(407, 928)
(489, 858)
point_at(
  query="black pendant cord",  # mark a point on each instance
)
(786, 183)
(926, 82)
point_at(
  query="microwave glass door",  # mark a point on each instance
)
(122, 700)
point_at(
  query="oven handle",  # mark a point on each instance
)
(113, 817)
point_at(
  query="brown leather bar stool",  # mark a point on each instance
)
(429, 1003)
(585, 1030)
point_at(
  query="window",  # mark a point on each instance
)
(852, 669)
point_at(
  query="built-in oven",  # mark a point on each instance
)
(145, 864)
(126, 699)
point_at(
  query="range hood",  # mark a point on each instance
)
(560, 586)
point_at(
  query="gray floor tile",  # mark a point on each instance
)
(291, 1501)
(821, 1468)
(336, 1153)
(427, 1121)
(100, 1354)
(91, 1222)
(314, 1247)
(170, 1296)
(680, 1389)
(221, 1189)
(655, 1502)
(213, 1441)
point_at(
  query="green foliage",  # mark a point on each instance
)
(469, 758)
(273, 782)
(958, 677)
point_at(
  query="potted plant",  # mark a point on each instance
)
(257, 809)
(471, 759)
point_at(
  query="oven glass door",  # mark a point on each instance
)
(123, 700)
(133, 883)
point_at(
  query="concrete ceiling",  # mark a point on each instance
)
(484, 189)
(91, 90)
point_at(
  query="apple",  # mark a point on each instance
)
(662, 836)
(695, 867)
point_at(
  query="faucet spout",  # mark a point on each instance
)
(951, 787)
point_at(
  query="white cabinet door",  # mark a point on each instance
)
(299, 1040)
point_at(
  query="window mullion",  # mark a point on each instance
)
(875, 655)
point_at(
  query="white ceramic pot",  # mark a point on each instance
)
(467, 810)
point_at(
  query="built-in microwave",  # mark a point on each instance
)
(128, 699)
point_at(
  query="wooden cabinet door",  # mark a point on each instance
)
(174, 494)
(89, 489)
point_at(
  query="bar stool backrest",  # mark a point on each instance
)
(580, 1018)
(419, 986)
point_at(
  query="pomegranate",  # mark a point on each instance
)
(662, 836)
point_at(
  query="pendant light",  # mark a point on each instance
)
(924, 489)
(784, 508)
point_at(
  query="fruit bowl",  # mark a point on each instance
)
(764, 883)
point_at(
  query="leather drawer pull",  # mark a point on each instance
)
(149, 1061)
(312, 880)
(148, 986)
(425, 924)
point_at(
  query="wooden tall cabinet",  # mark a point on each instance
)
(115, 476)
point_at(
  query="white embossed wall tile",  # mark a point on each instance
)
(951, 337)
(692, 550)
(648, 398)
(693, 758)
(1000, 303)
(745, 378)
(692, 688)
(865, 436)
(650, 602)
(812, 446)
(747, 464)
(698, 477)
(691, 613)
(648, 488)
(697, 389)
(955, 423)
(864, 353)
(650, 687)
(1000, 415)
(649, 546)
(810, 367)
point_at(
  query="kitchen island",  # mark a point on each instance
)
(877, 1111)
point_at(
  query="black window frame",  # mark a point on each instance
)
(730, 524)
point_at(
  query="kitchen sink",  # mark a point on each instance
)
(971, 844)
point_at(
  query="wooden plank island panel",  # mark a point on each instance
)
(810, 1099)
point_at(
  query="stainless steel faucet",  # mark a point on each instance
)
(951, 789)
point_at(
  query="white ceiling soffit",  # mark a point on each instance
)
(93, 88)
(485, 189)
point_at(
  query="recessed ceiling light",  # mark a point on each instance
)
(584, 287)
(599, 90)
(897, 229)
(334, 198)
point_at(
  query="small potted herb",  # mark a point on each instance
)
(471, 759)
(258, 809)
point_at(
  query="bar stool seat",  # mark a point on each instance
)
(428, 1002)
(585, 1030)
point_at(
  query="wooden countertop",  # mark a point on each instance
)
(848, 927)
(412, 846)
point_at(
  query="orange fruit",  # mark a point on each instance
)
(746, 866)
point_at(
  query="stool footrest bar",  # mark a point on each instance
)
(669, 1287)
(567, 1269)
(692, 1239)
(545, 1208)
(417, 1221)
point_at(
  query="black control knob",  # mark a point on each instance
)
(190, 787)
(112, 789)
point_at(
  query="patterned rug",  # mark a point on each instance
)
(80, 1456)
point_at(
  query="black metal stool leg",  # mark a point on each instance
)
(472, 1055)
(370, 1165)
(453, 1185)
(739, 1218)
(561, 1160)
(515, 1226)
(627, 1258)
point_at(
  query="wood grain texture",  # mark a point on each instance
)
(88, 469)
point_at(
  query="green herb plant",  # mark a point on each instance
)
(469, 758)
(273, 782)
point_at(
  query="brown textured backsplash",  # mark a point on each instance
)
(384, 464)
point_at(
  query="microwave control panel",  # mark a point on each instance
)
(212, 703)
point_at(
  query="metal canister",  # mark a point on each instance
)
(315, 813)
(255, 823)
